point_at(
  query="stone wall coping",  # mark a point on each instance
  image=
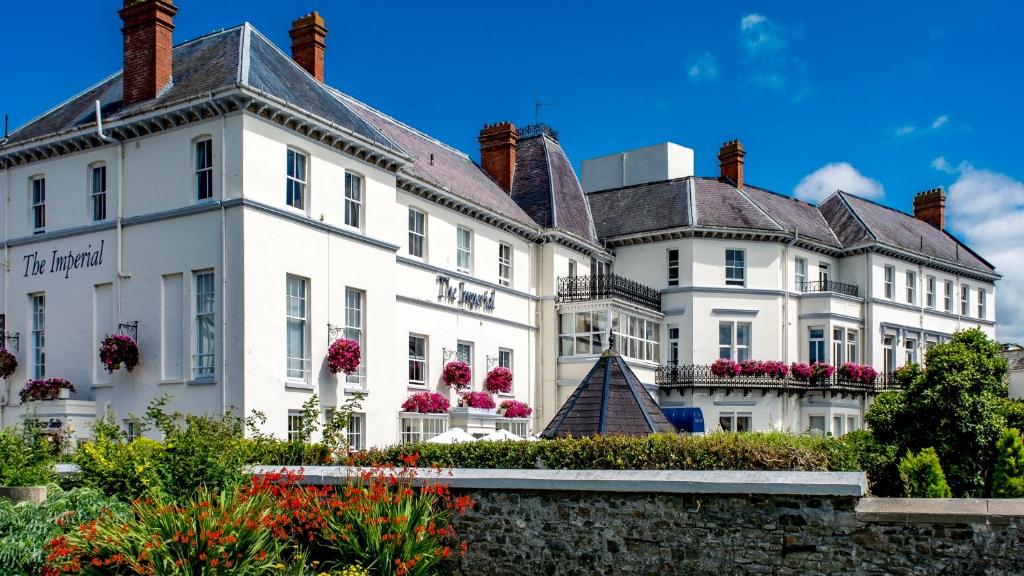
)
(940, 510)
(852, 484)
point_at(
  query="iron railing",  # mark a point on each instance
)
(829, 286)
(701, 377)
(583, 288)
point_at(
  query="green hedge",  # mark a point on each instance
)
(718, 451)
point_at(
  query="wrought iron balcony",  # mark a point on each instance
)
(583, 288)
(701, 377)
(829, 286)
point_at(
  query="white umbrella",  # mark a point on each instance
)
(534, 438)
(453, 436)
(502, 434)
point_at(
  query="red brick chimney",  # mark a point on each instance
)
(308, 34)
(930, 207)
(730, 162)
(498, 152)
(147, 47)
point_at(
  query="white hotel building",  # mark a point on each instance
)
(240, 214)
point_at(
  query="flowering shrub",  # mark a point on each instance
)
(751, 368)
(457, 374)
(515, 409)
(801, 371)
(821, 371)
(861, 373)
(723, 367)
(8, 363)
(499, 380)
(775, 369)
(477, 400)
(343, 356)
(48, 389)
(426, 403)
(118, 349)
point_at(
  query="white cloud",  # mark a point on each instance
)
(766, 55)
(751, 20)
(986, 209)
(702, 68)
(940, 122)
(905, 130)
(908, 130)
(821, 183)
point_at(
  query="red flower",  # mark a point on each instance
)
(118, 349)
(343, 356)
(499, 380)
(515, 409)
(457, 374)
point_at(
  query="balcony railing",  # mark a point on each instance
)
(829, 286)
(701, 377)
(583, 288)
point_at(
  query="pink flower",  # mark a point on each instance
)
(8, 363)
(343, 356)
(499, 380)
(118, 349)
(477, 400)
(48, 389)
(801, 371)
(515, 409)
(775, 369)
(725, 368)
(426, 403)
(457, 375)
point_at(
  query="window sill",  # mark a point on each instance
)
(202, 382)
(171, 381)
(355, 390)
(298, 384)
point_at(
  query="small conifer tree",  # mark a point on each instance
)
(922, 475)
(1008, 478)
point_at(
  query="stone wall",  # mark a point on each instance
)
(561, 522)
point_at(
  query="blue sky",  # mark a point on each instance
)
(883, 99)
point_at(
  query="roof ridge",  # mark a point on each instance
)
(586, 203)
(618, 188)
(759, 209)
(209, 34)
(551, 186)
(352, 99)
(244, 57)
(842, 196)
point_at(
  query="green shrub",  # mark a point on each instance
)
(717, 451)
(120, 468)
(878, 460)
(1008, 477)
(25, 458)
(26, 528)
(885, 417)
(922, 475)
(274, 452)
(1013, 412)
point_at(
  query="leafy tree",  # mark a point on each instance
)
(1013, 411)
(922, 475)
(955, 406)
(1008, 477)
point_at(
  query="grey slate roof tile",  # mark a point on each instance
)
(640, 208)
(545, 185)
(720, 205)
(796, 216)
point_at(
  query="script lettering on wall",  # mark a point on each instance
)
(458, 295)
(61, 261)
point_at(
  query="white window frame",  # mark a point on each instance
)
(948, 297)
(204, 351)
(911, 287)
(355, 329)
(132, 429)
(837, 425)
(890, 282)
(505, 264)
(673, 344)
(888, 352)
(464, 249)
(824, 275)
(981, 303)
(97, 197)
(356, 431)
(635, 336)
(816, 345)
(354, 205)
(734, 419)
(518, 426)
(297, 368)
(37, 310)
(417, 233)
(584, 333)
(673, 267)
(851, 423)
(414, 427)
(464, 352)
(965, 300)
(294, 425)
(910, 350)
(37, 203)
(800, 274)
(929, 300)
(418, 360)
(505, 360)
(573, 268)
(296, 180)
(852, 345)
(735, 350)
(202, 168)
(838, 346)
(824, 423)
(735, 269)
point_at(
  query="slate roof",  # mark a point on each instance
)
(239, 56)
(441, 165)
(1014, 355)
(609, 400)
(841, 221)
(546, 187)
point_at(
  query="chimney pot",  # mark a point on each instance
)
(498, 152)
(148, 47)
(930, 207)
(308, 34)
(730, 162)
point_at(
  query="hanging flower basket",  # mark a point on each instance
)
(515, 409)
(343, 356)
(426, 403)
(499, 381)
(48, 389)
(481, 400)
(118, 349)
(457, 375)
(8, 363)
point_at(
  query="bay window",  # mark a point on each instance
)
(816, 345)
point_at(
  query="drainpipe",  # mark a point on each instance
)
(7, 279)
(223, 260)
(785, 314)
